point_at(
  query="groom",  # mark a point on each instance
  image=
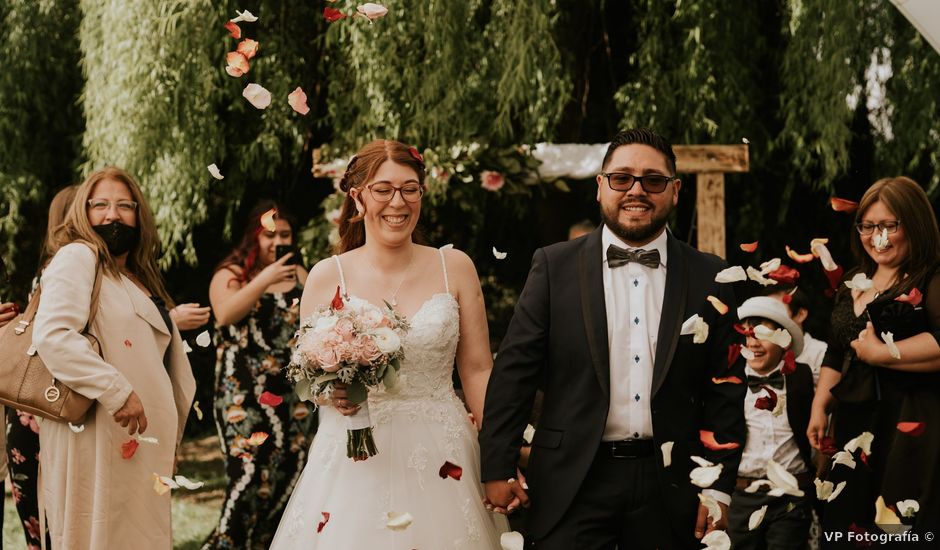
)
(605, 330)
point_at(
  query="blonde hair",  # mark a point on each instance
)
(141, 260)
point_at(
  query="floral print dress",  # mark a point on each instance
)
(265, 430)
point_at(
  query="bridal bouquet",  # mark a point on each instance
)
(357, 344)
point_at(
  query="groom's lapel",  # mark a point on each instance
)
(594, 308)
(670, 322)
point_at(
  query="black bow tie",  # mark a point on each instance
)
(617, 257)
(754, 382)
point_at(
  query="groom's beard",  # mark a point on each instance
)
(640, 234)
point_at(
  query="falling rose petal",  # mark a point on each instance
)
(836, 492)
(499, 255)
(859, 282)
(234, 30)
(863, 441)
(819, 249)
(779, 336)
(248, 48)
(782, 479)
(719, 306)
(451, 470)
(413, 151)
(701, 461)
(711, 505)
(913, 297)
(756, 518)
(716, 540)
(767, 402)
(298, 101)
(160, 485)
(785, 274)
(907, 508)
(186, 347)
(835, 277)
(749, 247)
(732, 274)
(512, 540)
(294, 303)
(267, 220)
(823, 488)
(76, 429)
(667, 453)
(734, 351)
(780, 407)
(203, 340)
(372, 11)
(322, 524)
(757, 484)
(257, 438)
(827, 445)
(270, 399)
(699, 331)
(148, 440)
(708, 439)
(915, 429)
(528, 434)
(337, 303)
(705, 474)
(756, 276)
(769, 266)
(843, 205)
(399, 522)
(745, 141)
(128, 344)
(214, 170)
(800, 258)
(742, 330)
(245, 16)
(863, 457)
(880, 240)
(332, 15)
(888, 338)
(844, 458)
(185, 483)
(747, 354)
(257, 96)
(128, 448)
(236, 64)
(727, 380)
(789, 363)
(884, 515)
(198, 410)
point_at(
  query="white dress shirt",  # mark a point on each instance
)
(813, 353)
(633, 296)
(768, 436)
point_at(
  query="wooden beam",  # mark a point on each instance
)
(693, 159)
(710, 212)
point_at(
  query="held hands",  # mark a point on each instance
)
(190, 316)
(869, 348)
(704, 525)
(341, 402)
(278, 272)
(131, 415)
(504, 497)
(8, 310)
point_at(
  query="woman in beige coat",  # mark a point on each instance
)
(96, 495)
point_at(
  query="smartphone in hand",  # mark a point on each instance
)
(282, 250)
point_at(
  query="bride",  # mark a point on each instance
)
(341, 504)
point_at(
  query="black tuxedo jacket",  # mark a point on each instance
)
(557, 339)
(799, 405)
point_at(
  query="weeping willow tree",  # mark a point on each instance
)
(39, 125)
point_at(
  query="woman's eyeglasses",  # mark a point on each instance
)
(384, 192)
(865, 228)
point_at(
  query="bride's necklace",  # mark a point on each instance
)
(394, 300)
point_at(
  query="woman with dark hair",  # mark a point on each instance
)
(421, 430)
(255, 296)
(889, 390)
(97, 486)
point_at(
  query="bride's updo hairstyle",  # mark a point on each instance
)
(361, 169)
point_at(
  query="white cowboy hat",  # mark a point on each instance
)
(773, 309)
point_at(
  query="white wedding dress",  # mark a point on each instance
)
(416, 429)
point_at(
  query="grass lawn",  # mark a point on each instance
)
(195, 513)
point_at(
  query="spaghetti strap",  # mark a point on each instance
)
(444, 265)
(342, 279)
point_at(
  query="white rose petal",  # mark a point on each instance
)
(667, 453)
(779, 336)
(511, 541)
(782, 479)
(710, 504)
(150, 440)
(499, 255)
(836, 492)
(745, 141)
(717, 540)
(888, 337)
(781, 406)
(245, 16)
(701, 461)
(758, 277)
(528, 434)
(757, 484)
(747, 354)
(699, 331)
(859, 282)
(399, 522)
(823, 488)
(372, 11)
(704, 477)
(908, 508)
(731, 275)
(863, 442)
(885, 515)
(386, 340)
(203, 340)
(756, 518)
(880, 240)
(186, 347)
(167, 481)
(769, 266)
(257, 96)
(819, 249)
(187, 484)
(845, 458)
(214, 170)
(76, 429)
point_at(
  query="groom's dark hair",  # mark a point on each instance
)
(643, 136)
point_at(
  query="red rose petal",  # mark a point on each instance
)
(234, 30)
(128, 344)
(236, 64)
(789, 363)
(727, 380)
(912, 428)
(843, 205)
(332, 15)
(268, 398)
(835, 277)
(708, 439)
(734, 351)
(742, 330)
(449, 469)
(322, 524)
(913, 297)
(129, 448)
(719, 306)
(768, 402)
(417, 156)
(799, 258)
(247, 47)
(784, 274)
(864, 457)
(749, 247)
(337, 303)
(827, 445)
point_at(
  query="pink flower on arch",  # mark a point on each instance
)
(492, 181)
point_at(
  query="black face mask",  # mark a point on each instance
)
(120, 238)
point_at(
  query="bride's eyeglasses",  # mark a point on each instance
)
(384, 192)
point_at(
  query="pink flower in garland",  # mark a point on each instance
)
(492, 181)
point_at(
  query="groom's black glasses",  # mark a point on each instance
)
(622, 181)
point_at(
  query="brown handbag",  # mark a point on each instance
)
(28, 385)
